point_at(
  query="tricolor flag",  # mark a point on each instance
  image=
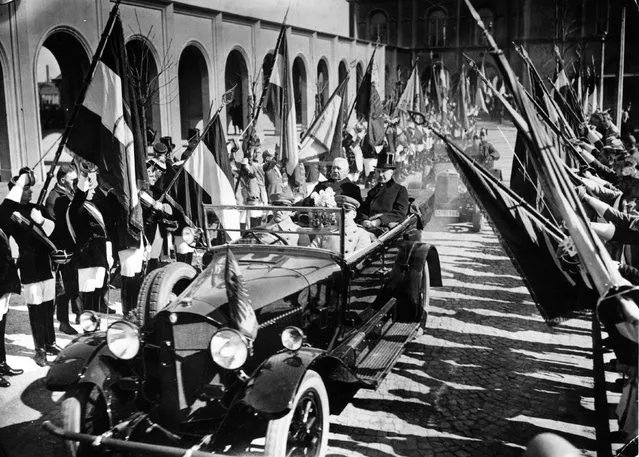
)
(210, 171)
(241, 312)
(280, 104)
(411, 99)
(324, 136)
(103, 135)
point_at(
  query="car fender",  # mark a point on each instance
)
(271, 391)
(73, 360)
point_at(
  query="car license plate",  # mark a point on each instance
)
(446, 213)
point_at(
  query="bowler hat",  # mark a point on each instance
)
(346, 202)
(160, 148)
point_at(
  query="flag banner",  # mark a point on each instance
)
(412, 98)
(103, 135)
(533, 243)
(209, 180)
(324, 136)
(241, 312)
(280, 104)
(369, 107)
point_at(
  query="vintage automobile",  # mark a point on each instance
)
(451, 202)
(185, 380)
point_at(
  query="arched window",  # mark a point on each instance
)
(488, 19)
(437, 24)
(378, 26)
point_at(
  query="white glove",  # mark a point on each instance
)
(36, 216)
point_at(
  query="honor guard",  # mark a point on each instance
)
(20, 219)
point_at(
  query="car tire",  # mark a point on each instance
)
(289, 432)
(162, 287)
(424, 295)
(79, 404)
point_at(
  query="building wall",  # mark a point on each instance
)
(215, 27)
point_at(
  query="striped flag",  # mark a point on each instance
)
(103, 135)
(210, 171)
(368, 106)
(280, 104)
(325, 134)
(241, 311)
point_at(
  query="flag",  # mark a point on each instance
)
(211, 180)
(280, 103)
(241, 312)
(106, 133)
(368, 107)
(531, 241)
(412, 98)
(324, 136)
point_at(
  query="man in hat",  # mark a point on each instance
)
(487, 152)
(355, 237)
(56, 206)
(387, 202)
(282, 222)
(339, 181)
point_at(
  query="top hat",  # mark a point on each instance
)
(385, 161)
(280, 200)
(168, 142)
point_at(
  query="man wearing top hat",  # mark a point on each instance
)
(387, 202)
(282, 222)
(355, 237)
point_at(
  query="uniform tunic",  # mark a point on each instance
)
(390, 200)
(355, 238)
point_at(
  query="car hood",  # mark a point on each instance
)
(269, 273)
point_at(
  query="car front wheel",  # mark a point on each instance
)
(84, 410)
(304, 430)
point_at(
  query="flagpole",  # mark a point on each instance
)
(78, 103)
(204, 132)
(622, 58)
(603, 55)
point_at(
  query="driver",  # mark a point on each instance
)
(281, 222)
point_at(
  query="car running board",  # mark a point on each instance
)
(379, 361)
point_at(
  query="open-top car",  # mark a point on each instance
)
(255, 352)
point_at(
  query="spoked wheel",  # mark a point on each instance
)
(304, 430)
(84, 410)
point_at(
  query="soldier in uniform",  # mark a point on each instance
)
(355, 237)
(56, 206)
(20, 219)
(9, 284)
(387, 202)
(487, 152)
(93, 255)
(282, 222)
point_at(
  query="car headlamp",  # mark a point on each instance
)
(229, 349)
(292, 338)
(188, 234)
(123, 339)
(89, 321)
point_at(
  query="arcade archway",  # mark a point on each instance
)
(193, 82)
(342, 73)
(322, 85)
(236, 74)
(143, 73)
(300, 91)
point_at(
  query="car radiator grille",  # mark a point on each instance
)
(185, 365)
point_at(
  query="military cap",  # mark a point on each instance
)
(281, 200)
(346, 202)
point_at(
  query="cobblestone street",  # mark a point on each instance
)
(486, 377)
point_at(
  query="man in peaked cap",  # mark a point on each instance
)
(355, 237)
(387, 202)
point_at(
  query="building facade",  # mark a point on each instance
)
(186, 53)
(432, 30)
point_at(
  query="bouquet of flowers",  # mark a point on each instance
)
(324, 198)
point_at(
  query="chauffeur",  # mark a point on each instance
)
(355, 237)
(18, 219)
(387, 202)
(282, 222)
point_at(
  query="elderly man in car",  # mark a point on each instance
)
(339, 182)
(387, 203)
